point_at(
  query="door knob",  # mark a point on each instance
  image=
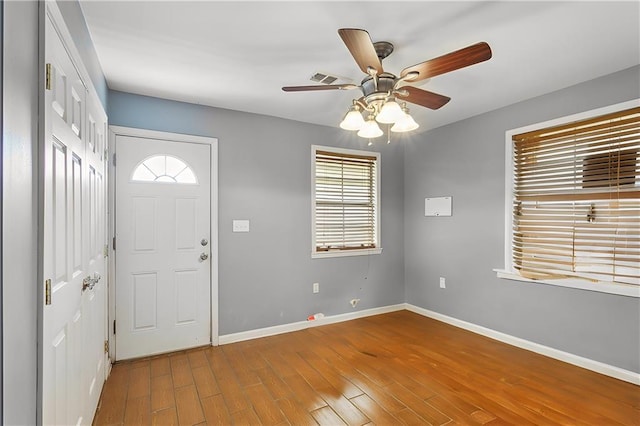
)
(88, 283)
(204, 242)
(204, 256)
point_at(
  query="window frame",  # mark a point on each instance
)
(350, 252)
(508, 271)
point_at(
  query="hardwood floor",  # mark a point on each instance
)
(391, 369)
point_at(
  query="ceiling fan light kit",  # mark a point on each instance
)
(390, 112)
(353, 119)
(381, 89)
(370, 128)
(405, 124)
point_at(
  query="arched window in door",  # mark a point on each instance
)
(165, 169)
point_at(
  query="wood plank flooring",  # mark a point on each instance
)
(392, 369)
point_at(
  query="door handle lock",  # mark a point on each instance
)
(204, 242)
(88, 282)
(203, 257)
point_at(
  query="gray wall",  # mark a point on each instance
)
(265, 276)
(19, 215)
(466, 160)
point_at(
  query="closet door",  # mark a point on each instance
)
(74, 237)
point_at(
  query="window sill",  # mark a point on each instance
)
(599, 286)
(345, 253)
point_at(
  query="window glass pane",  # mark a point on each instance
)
(157, 164)
(174, 166)
(164, 168)
(186, 176)
(143, 174)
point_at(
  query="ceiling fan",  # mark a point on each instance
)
(380, 89)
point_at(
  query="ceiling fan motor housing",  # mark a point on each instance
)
(386, 81)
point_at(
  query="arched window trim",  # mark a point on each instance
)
(161, 176)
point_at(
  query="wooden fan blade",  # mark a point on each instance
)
(422, 97)
(361, 47)
(319, 87)
(450, 62)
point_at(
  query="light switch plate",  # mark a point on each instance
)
(240, 226)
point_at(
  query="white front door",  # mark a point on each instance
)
(163, 245)
(74, 315)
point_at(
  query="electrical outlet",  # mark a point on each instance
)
(442, 283)
(316, 287)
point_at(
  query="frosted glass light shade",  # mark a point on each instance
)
(352, 120)
(370, 129)
(390, 113)
(405, 124)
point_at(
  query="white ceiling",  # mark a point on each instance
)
(237, 55)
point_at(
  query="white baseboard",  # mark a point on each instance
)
(589, 364)
(301, 325)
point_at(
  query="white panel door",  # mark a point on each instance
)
(163, 267)
(74, 314)
(94, 301)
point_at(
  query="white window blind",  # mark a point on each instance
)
(345, 201)
(576, 203)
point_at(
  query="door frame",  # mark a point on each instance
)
(115, 131)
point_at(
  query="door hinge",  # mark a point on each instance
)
(106, 155)
(47, 292)
(113, 244)
(106, 346)
(114, 326)
(105, 252)
(47, 82)
(114, 159)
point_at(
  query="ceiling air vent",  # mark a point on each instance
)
(323, 78)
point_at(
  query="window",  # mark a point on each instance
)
(163, 168)
(345, 198)
(575, 202)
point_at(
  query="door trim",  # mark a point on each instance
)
(115, 131)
